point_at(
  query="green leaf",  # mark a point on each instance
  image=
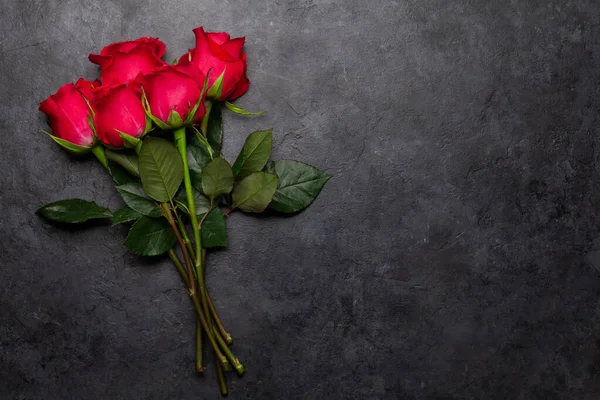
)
(201, 202)
(161, 169)
(119, 175)
(254, 154)
(70, 147)
(217, 178)
(254, 192)
(150, 237)
(214, 130)
(134, 196)
(195, 173)
(126, 159)
(213, 231)
(125, 214)
(239, 110)
(73, 211)
(299, 184)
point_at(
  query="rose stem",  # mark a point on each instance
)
(169, 216)
(180, 142)
(181, 146)
(226, 335)
(222, 382)
(222, 331)
(98, 151)
(192, 285)
(232, 358)
(211, 306)
(213, 312)
(173, 256)
(199, 355)
(199, 367)
(211, 338)
(186, 239)
(186, 279)
(184, 234)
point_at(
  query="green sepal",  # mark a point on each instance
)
(149, 126)
(205, 85)
(216, 89)
(130, 141)
(146, 106)
(198, 157)
(90, 121)
(70, 147)
(190, 118)
(92, 112)
(100, 152)
(202, 139)
(174, 120)
(192, 115)
(239, 110)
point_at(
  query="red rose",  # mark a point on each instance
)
(68, 112)
(122, 62)
(217, 52)
(119, 109)
(173, 89)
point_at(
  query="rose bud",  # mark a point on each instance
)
(172, 96)
(224, 58)
(69, 113)
(119, 110)
(122, 62)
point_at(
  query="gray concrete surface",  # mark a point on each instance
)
(454, 255)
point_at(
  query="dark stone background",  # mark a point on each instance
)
(454, 255)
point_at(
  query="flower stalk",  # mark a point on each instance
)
(191, 284)
(98, 151)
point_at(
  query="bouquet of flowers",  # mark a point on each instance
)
(157, 130)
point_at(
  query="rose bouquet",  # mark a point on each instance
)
(157, 129)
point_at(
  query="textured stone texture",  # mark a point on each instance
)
(454, 255)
